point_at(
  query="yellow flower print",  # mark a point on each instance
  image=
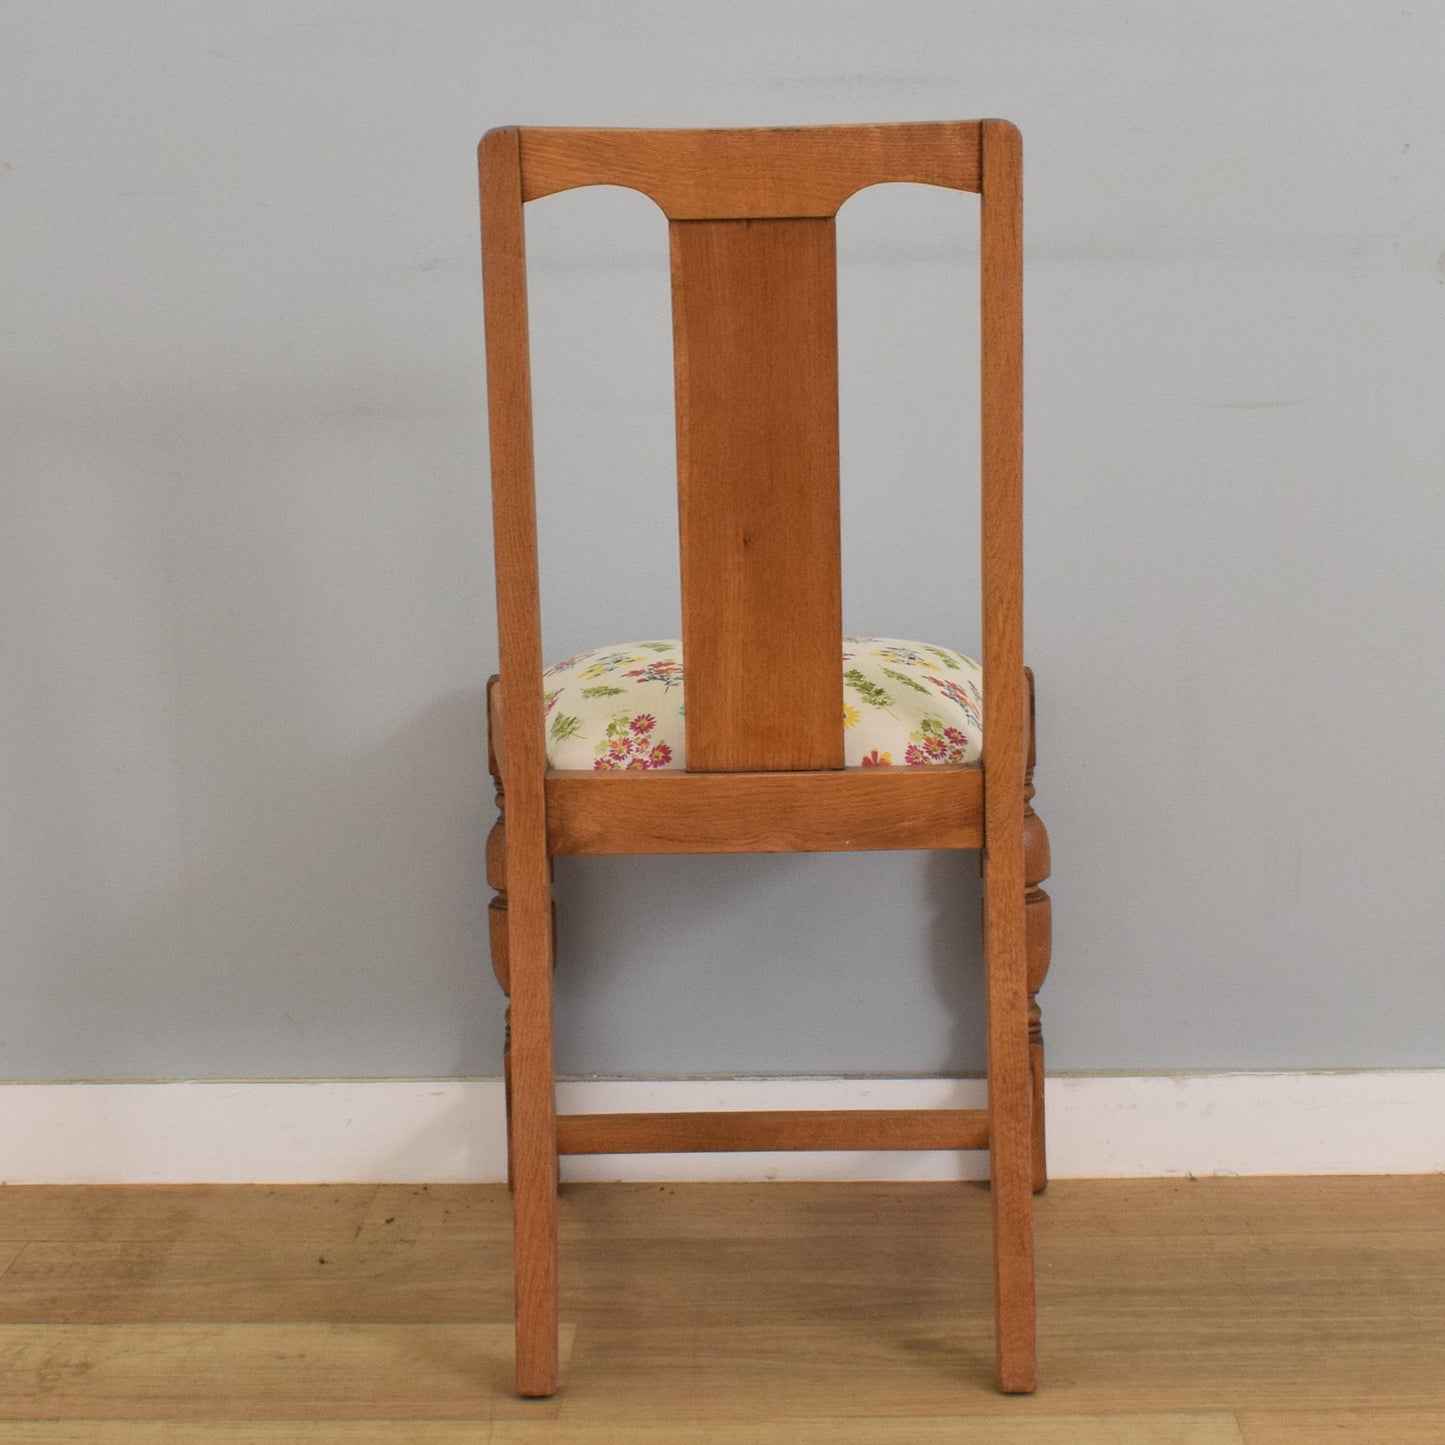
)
(850, 716)
(607, 664)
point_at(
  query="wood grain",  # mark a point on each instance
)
(1004, 733)
(177, 1213)
(532, 1141)
(1213, 1429)
(737, 174)
(1314, 1308)
(846, 810)
(1348, 1427)
(1217, 1429)
(257, 1371)
(686, 1133)
(288, 1279)
(252, 1432)
(755, 327)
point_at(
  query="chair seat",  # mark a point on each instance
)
(904, 703)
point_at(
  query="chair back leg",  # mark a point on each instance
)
(521, 923)
(533, 1148)
(1010, 1110)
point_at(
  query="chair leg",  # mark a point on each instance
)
(533, 1147)
(497, 922)
(1038, 927)
(1039, 933)
(521, 930)
(1010, 1109)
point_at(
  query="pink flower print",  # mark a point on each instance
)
(934, 743)
(628, 747)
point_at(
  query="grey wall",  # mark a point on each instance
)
(245, 606)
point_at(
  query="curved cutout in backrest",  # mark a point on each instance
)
(696, 175)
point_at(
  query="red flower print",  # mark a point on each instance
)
(934, 743)
(953, 690)
(950, 747)
(875, 759)
(628, 747)
(666, 672)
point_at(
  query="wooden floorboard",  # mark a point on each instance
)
(1358, 1427)
(261, 1372)
(164, 1213)
(1271, 1312)
(1219, 1429)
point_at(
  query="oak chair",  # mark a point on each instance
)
(751, 222)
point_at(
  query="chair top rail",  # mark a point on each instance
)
(794, 171)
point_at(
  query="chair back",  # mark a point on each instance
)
(751, 216)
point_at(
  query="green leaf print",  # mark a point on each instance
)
(603, 691)
(564, 726)
(867, 691)
(946, 658)
(907, 681)
(658, 646)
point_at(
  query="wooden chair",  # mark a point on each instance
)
(751, 222)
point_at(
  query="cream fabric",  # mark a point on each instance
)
(904, 703)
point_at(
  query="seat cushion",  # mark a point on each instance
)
(903, 703)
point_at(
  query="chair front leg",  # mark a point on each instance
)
(1038, 924)
(497, 932)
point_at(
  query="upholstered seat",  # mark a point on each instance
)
(903, 703)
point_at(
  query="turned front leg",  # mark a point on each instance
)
(497, 926)
(1039, 939)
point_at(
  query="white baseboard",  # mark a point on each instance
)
(452, 1130)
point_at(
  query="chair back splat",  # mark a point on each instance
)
(754, 307)
(751, 218)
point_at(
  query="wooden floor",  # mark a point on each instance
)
(1265, 1311)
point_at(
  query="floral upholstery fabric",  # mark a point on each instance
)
(904, 703)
